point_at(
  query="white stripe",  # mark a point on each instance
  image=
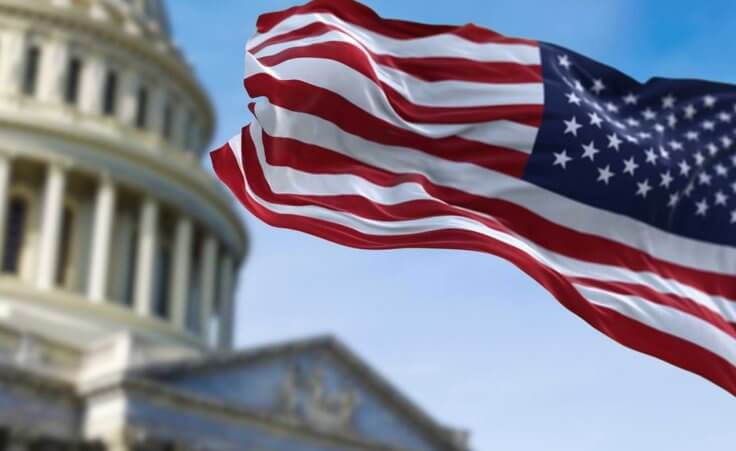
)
(364, 94)
(444, 45)
(480, 181)
(666, 319)
(446, 93)
(290, 181)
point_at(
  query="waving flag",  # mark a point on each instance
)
(617, 196)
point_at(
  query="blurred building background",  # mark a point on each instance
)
(119, 255)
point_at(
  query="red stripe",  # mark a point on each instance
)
(621, 328)
(680, 303)
(362, 16)
(427, 69)
(521, 221)
(530, 114)
(276, 151)
(298, 96)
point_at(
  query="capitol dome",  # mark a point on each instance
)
(109, 226)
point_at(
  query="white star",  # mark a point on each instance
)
(708, 125)
(709, 101)
(562, 159)
(572, 126)
(733, 160)
(631, 139)
(632, 122)
(643, 188)
(668, 101)
(704, 178)
(666, 179)
(572, 98)
(672, 120)
(721, 170)
(598, 86)
(692, 136)
(674, 198)
(699, 158)
(712, 149)
(690, 112)
(649, 114)
(733, 187)
(614, 141)
(663, 152)
(726, 141)
(721, 198)
(595, 119)
(676, 145)
(659, 127)
(724, 117)
(651, 156)
(631, 99)
(645, 135)
(684, 168)
(579, 86)
(733, 216)
(564, 61)
(689, 189)
(630, 166)
(590, 151)
(702, 207)
(605, 174)
(611, 107)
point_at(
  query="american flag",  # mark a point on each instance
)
(619, 197)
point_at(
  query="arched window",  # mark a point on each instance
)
(162, 276)
(110, 93)
(73, 77)
(141, 114)
(30, 69)
(66, 237)
(15, 231)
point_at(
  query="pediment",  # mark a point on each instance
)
(317, 383)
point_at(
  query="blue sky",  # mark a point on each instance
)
(466, 335)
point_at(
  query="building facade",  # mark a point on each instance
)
(118, 262)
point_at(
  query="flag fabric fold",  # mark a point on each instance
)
(619, 197)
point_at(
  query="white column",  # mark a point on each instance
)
(147, 234)
(180, 273)
(93, 77)
(156, 110)
(5, 165)
(104, 215)
(54, 62)
(208, 277)
(48, 249)
(11, 61)
(128, 97)
(227, 303)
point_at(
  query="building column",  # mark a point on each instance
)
(90, 94)
(147, 235)
(208, 275)
(104, 215)
(227, 302)
(48, 249)
(180, 272)
(5, 174)
(128, 97)
(11, 61)
(52, 69)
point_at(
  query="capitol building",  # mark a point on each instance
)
(119, 257)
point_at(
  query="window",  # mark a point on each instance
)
(141, 114)
(161, 282)
(65, 246)
(73, 75)
(168, 120)
(30, 71)
(109, 99)
(14, 234)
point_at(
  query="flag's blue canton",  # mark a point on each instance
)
(663, 152)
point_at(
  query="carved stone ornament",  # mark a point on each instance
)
(306, 397)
